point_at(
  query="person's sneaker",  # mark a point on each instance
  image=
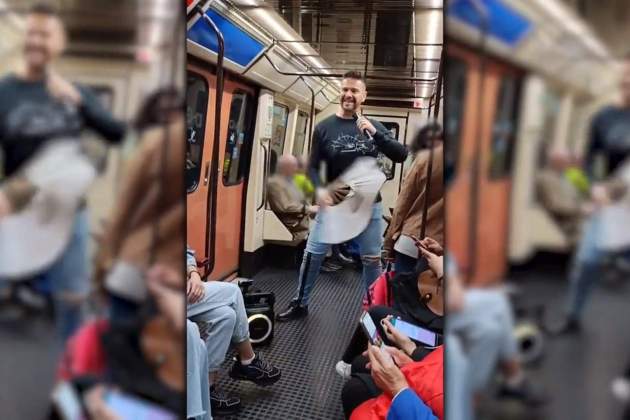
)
(294, 311)
(620, 388)
(329, 267)
(223, 403)
(344, 369)
(569, 327)
(259, 371)
(526, 392)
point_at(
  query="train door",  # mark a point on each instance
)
(398, 128)
(216, 235)
(487, 175)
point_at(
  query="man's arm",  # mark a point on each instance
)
(387, 144)
(99, 119)
(406, 405)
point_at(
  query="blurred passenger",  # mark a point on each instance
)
(479, 337)
(37, 106)
(287, 201)
(610, 141)
(220, 306)
(408, 216)
(338, 141)
(559, 196)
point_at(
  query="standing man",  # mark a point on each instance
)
(610, 140)
(38, 106)
(337, 142)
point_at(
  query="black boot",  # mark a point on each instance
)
(569, 327)
(294, 311)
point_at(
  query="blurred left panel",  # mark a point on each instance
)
(92, 210)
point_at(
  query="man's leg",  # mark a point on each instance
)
(370, 243)
(314, 255)
(70, 279)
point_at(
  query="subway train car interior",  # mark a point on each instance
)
(260, 76)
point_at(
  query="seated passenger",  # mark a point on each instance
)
(302, 180)
(398, 388)
(220, 306)
(287, 201)
(559, 195)
(407, 218)
(197, 396)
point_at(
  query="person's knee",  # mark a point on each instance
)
(224, 320)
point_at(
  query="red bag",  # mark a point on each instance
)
(426, 378)
(378, 294)
(84, 353)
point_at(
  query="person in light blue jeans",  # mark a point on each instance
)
(369, 241)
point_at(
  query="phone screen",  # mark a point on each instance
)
(370, 329)
(416, 333)
(130, 407)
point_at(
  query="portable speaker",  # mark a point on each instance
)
(259, 307)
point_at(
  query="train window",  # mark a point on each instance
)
(238, 139)
(196, 108)
(504, 129)
(385, 163)
(455, 95)
(300, 133)
(279, 133)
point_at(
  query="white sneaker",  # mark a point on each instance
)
(343, 369)
(620, 388)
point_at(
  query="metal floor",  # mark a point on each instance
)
(306, 350)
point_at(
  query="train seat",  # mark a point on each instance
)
(274, 231)
(548, 234)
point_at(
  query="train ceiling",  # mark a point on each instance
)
(385, 38)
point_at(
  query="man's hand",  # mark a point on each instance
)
(395, 336)
(385, 373)
(312, 210)
(194, 288)
(365, 124)
(62, 89)
(96, 406)
(324, 198)
(600, 195)
(5, 205)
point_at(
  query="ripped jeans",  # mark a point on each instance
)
(370, 242)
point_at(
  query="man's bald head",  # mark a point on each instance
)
(559, 158)
(287, 165)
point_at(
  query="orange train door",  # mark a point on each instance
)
(497, 114)
(217, 240)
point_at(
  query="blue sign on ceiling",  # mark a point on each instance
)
(504, 23)
(240, 47)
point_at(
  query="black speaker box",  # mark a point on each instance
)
(259, 307)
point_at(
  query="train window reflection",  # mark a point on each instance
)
(196, 107)
(239, 128)
(279, 133)
(504, 129)
(455, 96)
(385, 163)
(300, 133)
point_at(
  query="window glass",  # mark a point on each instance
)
(504, 129)
(300, 133)
(279, 133)
(196, 109)
(236, 159)
(385, 163)
(455, 96)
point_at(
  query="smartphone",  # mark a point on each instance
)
(416, 333)
(370, 329)
(130, 407)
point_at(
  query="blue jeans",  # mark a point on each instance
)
(369, 241)
(586, 267)
(68, 279)
(477, 338)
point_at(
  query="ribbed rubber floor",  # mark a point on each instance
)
(306, 350)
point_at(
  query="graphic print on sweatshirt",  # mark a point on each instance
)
(345, 143)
